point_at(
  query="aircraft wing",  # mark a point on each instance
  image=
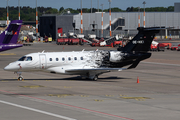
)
(93, 70)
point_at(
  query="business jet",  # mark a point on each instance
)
(9, 37)
(88, 64)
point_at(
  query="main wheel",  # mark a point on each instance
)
(95, 78)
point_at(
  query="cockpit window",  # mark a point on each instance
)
(25, 58)
(28, 58)
(22, 59)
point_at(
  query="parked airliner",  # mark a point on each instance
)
(88, 64)
(9, 37)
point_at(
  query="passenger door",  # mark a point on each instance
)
(42, 58)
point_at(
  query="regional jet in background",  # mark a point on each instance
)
(88, 64)
(9, 37)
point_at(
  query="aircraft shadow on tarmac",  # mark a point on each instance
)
(107, 79)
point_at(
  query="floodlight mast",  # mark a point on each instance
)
(36, 22)
(19, 9)
(144, 13)
(138, 16)
(102, 21)
(91, 6)
(81, 19)
(7, 14)
(110, 18)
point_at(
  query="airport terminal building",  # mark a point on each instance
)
(122, 23)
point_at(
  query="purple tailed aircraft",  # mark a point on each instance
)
(9, 37)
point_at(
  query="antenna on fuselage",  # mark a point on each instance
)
(43, 51)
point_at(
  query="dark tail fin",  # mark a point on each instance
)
(142, 41)
(10, 35)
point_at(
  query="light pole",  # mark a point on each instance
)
(7, 14)
(138, 16)
(102, 21)
(36, 22)
(19, 8)
(91, 6)
(144, 13)
(81, 19)
(109, 18)
(98, 5)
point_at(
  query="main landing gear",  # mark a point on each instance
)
(95, 78)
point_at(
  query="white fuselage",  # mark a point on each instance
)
(59, 62)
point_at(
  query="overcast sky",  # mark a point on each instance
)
(122, 4)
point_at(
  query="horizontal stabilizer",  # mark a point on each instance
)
(134, 65)
(142, 41)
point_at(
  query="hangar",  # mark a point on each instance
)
(57, 25)
(122, 23)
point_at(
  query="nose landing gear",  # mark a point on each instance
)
(20, 78)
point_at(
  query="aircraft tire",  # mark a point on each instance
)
(95, 78)
(20, 79)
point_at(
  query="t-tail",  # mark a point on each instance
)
(9, 37)
(137, 49)
(142, 41)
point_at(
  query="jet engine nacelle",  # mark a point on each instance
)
(115, 56)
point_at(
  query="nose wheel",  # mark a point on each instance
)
(20, 78)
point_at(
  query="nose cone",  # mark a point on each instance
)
(11, 67)
(8, 68)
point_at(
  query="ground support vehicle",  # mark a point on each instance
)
(157, 47)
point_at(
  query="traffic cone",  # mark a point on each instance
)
(137, 79)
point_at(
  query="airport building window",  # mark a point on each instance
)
(69, 58)
(50, 59)
(75, 58)
(81, 58)
(63, 59)
(57, 59)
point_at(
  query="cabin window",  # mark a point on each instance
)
(57, 59)
(69, 58)
(75, 58)
(63, 59)
(50, 59)
(81, 58)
